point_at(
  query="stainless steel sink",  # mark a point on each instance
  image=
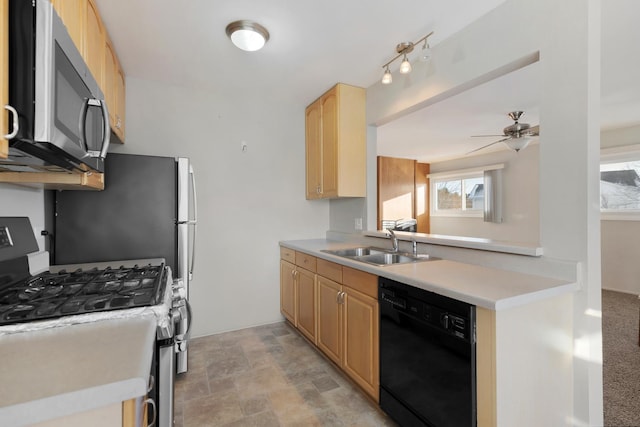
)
(355, 252)
(377, 256)
(388, 258)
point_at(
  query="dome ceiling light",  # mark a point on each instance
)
(403, 49)
(247, 35)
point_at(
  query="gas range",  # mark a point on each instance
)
(62, 293)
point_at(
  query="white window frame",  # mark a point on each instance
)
(618, 155)
(455, 175)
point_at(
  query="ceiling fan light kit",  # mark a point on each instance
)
(247, 35)
(402, 50)
(516, 136)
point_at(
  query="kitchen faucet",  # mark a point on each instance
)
(394, 239)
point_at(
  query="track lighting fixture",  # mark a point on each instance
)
(403, 49)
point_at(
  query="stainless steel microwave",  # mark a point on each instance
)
(58, 116)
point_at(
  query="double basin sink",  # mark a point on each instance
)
(378, 256)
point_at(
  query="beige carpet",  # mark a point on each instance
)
(621, 370)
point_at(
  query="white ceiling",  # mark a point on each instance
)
(315, 44)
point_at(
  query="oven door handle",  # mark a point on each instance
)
(15, 122)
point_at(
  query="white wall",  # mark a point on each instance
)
(520, 208)
(16, 200)
(248, 201)
(567, 36)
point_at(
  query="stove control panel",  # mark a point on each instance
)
(5, 237)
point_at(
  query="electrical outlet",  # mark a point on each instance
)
(358, 224)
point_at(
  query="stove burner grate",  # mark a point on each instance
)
(50, 295)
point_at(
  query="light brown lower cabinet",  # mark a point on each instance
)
(298, 291)
(348, 323)
(288, 291)
(336, 308)
(306, 302)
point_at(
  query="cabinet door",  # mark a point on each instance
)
(4, 77)
(330, 144)
(94, 43)
(288, 291)
(72, 13)
(109, 79)
(361, 330)
(306, 288)
(120, 93)
(313, 141)
(330, 319)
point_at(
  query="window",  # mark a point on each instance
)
(460, 193)
(620, 183)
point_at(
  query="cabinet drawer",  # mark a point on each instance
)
(288, 254)
(305, 261)
(330, 270)
(361, 281)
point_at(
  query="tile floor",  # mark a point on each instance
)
(267, 376)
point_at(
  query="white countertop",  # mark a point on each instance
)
(486, 287)
(55, 372)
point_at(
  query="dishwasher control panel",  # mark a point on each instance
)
(443, 313)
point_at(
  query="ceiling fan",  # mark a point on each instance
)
(516, 137)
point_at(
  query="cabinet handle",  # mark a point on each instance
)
(318, 190)
(340, 298)
(16, 124)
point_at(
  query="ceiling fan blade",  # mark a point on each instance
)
(533, 130)
(485, 136)
(489, 145)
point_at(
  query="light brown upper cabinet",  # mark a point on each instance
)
(336, 144)
(114, 89)
(94, 42)
(4, 77)
(72, 13)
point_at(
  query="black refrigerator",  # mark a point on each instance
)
(147, 210)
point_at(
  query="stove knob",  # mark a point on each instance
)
(179, 293)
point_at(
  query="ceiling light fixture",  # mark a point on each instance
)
(387, 78)
(425, 53)
(247, 35)
(519, 143)
(403, 49)
(405, 67)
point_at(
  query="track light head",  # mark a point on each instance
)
(387, 78)
(405, 67)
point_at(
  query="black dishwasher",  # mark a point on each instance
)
(427, 357)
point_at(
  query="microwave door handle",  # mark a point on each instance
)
(83, 118)
(16, 123)
(194, 221)
(107, 129)
(105, 120)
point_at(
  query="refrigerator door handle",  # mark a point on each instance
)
(193, 221)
